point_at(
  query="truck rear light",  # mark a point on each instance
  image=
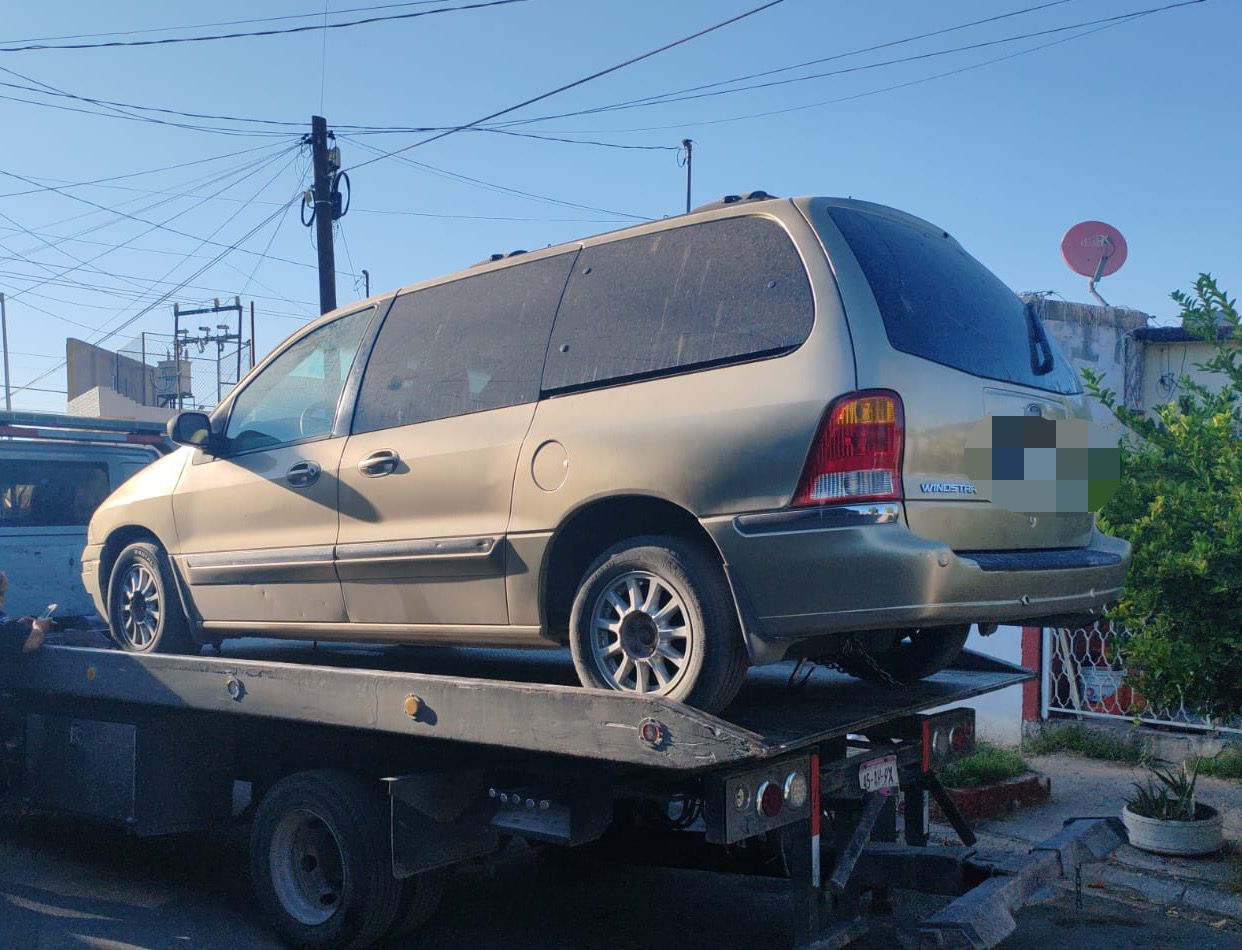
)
(769, 799)
(796, 789)
(856, 454)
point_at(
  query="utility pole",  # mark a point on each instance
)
(4, 330)
(366, 282)
(688, 145)
(322, 214)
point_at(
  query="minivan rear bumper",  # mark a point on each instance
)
(861, 568)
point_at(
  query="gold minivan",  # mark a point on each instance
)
(681, 449)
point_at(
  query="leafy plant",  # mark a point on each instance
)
(1180, 506)
(988, 765)
(1171, 797)
(1092, 745)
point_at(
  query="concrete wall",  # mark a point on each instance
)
(1100, 339)
(102, 402)
(1165, 363)
(88, 366)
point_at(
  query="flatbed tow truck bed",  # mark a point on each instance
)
(417, 759)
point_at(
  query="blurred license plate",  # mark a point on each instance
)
(878, 774)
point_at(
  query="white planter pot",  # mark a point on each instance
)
(1178, 838)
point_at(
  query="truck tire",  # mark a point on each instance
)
(144, 608)
(654, 616)
(320, 861)
(908, 656)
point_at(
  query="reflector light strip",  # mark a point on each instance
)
(814, 796)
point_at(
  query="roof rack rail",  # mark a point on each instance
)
(735, 199)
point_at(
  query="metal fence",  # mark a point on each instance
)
(1085, 676)
(195, 375)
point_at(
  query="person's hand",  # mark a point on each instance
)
(38, 630)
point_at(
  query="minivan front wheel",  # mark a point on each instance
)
(654, 616)
(144, 611)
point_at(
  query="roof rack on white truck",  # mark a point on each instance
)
(417, 760)
(60, 427)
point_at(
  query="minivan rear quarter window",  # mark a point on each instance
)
(939, 303)
(680, 298)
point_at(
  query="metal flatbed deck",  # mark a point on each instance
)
(507, 699)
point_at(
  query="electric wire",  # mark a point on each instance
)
(488, 185)
(169, 40)
(865, 67)
(575, 83)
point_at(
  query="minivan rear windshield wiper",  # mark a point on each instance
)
(1041, 349)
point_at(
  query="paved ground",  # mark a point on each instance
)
(69, 885)
(1085, 788)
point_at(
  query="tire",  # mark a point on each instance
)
(684, 645)
(144, 608)
(911, 655)
(420, 896)
(320, 861)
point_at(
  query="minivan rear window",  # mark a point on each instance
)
(939, 303)
(676, 299)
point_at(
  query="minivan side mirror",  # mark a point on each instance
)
(191, 428)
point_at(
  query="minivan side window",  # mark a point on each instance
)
(685, 297)
(460, 347)
(295, 396)
(939, 303)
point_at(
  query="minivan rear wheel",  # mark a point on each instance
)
(907, 656)
(654, 616)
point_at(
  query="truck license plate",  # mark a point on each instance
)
(878, 774)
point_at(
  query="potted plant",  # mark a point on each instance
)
(1163, 817)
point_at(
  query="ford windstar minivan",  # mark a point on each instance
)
(680, 449)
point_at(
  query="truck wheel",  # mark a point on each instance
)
(144, 611)
(908, 656)
(420, 896)
(320, 861)
(654, 616)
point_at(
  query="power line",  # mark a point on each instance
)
(488, 185)
(153, 225)
(274, 32)
(813, 62)
(149, 171)
(216, 25)
(575, 83)
(671, 98)
(875, 92)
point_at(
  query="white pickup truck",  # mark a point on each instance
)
(54, 472)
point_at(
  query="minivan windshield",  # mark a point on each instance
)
(939, 303)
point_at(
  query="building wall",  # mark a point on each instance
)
(103, 402)
(88, 366)
(1165, 363)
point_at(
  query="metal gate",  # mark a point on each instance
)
(1084, 675)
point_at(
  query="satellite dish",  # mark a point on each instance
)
(1094, 249)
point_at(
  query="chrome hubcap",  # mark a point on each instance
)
(308, 872)
(140, 606)
(641, 634)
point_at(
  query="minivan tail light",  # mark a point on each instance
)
(856, 455)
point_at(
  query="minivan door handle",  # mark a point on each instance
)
(383, 462)
(303, 474)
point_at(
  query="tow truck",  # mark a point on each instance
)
(371, 770)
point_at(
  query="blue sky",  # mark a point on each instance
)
(1134, 124)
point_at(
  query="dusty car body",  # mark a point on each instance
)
(682, 448)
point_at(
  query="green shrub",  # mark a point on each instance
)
(988, 765)
(1180, 505)
(1225, 764)
(1092, 745)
